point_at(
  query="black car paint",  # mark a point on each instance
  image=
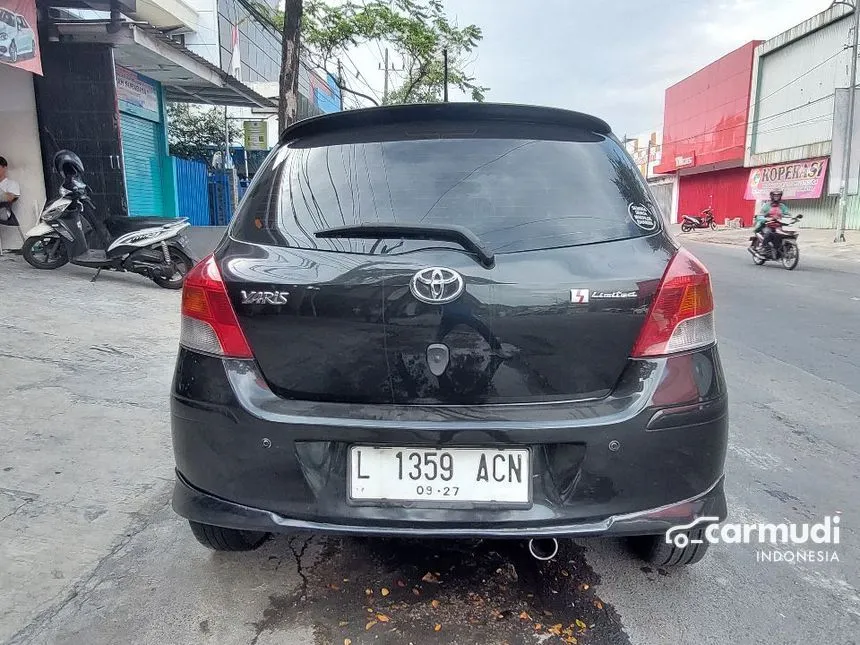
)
(247, 458)
(351, 331)
(618, 445)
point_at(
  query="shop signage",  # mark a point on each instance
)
(685, 161)
(134, 89)
(256, 135)
(19, 37)
(797, 180)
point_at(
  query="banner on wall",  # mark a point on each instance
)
(134, 89)
(19, 38)
(796, 180)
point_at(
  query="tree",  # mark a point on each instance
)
(288, 82)
(417, 30)
(192, 132)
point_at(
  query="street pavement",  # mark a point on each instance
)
(814, 242)
(92, 554)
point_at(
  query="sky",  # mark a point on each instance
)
(611, 58)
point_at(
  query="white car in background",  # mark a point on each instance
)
(17, 39)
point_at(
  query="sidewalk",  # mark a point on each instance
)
(813, 241)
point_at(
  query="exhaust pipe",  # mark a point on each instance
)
(543, 548)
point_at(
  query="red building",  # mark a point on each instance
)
(704, 135)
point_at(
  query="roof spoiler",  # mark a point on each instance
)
(453, 112)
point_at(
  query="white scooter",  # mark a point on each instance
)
(151, 246)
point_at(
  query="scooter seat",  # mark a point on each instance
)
(122, 225)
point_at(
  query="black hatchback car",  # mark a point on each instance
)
(455, 320)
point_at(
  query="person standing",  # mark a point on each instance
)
(10, 191)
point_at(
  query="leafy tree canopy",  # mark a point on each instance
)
(193, 131)
(417, 31)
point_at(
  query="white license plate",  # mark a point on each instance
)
(439, 475)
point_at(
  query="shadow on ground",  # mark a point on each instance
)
(418, 591)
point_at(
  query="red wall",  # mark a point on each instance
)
(705, 115)
(723, 190)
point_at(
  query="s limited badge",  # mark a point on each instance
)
(579, 296)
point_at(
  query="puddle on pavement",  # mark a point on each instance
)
(454, 592)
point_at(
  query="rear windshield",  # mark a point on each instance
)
(515, 194)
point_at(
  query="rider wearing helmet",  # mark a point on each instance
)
(769, 218)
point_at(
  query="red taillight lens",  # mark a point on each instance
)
(209, 323)
(681, 316)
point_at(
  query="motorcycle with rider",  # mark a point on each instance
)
(774, 238)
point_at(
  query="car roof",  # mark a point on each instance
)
(442, 112)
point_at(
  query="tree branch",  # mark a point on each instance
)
(422, 72)
(344, 88)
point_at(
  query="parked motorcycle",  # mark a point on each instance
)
(70, 230)
(705, 220)
(784, 249)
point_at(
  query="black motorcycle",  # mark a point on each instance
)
(705, 220)
(784, 248)
(70, 230)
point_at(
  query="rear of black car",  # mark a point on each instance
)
(449, 320)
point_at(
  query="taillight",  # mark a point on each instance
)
(681, 316)
(209, 323)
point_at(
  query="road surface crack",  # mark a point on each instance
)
(298, 555)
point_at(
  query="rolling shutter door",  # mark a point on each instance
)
(143, 176)
(723, 190)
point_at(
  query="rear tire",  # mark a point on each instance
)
(654, 550)
(219, 538)
(38, 256)
(181, 264)
(790, 261)
(686, 228)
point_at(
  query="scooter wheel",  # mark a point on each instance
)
(686, 228)
(713, 226)
(45, 252)
(181, 265)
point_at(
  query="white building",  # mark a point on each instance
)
(791, 139)
(647, 152)
(258, 61)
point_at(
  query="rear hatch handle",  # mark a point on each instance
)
(456, 234)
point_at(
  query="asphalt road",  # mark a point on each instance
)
(91, 553)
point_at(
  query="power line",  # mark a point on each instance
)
(363, 80)
(809, 71)
(764, 98)
(744, 125)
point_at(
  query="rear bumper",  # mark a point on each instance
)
(196, 505)
(635, 462)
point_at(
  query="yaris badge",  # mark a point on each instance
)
(437, 285)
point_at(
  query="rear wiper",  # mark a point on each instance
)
(457, 234)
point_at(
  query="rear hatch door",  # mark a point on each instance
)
(577, 253)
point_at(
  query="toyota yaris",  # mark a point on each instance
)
(456, 320)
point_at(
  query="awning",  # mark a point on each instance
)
(185, 76)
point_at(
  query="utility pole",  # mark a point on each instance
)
(288, 82)
(849, 126)
(385, 87)
(340, 82)
(445, 62)
(648, 158)
(229, 165)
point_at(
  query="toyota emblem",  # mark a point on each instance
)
(437, 285)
